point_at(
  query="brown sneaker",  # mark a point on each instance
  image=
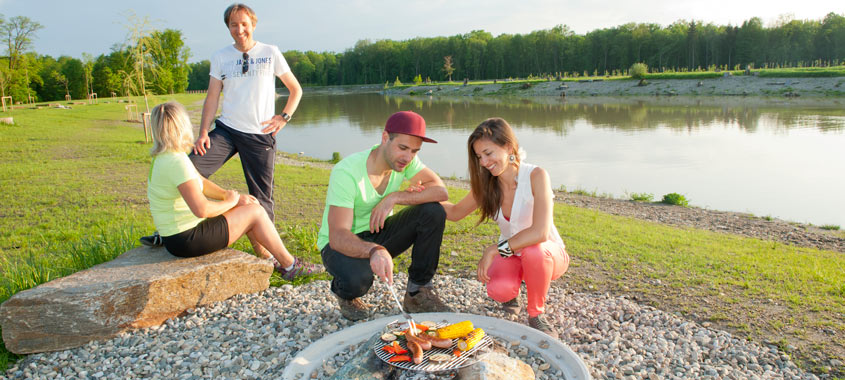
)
(539, 323)
(512, 306)
(353, 310)
(425, 301)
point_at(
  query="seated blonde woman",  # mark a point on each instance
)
(193, 215)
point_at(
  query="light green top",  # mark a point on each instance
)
(171, 214)
(350, 187)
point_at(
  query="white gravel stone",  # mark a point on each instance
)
(255, 336)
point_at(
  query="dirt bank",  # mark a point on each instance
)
(725, 86)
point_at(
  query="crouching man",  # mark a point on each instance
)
(359, 235)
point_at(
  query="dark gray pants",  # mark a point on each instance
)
(421, 226)
(257, 152)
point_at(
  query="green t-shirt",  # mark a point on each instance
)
(350, 187)
(171, 214)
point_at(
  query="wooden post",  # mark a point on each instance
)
(148, 133)
(3, 100)
(132, 112)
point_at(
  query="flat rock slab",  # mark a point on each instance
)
(141, 288)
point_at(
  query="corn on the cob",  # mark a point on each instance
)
(456, 330)
(471, 339)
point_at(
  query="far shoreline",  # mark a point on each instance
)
(799, 89)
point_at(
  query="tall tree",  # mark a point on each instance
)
(18, 33)
(139, 47)
(447, 66)
(168, 64)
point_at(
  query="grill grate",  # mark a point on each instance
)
(427, 366)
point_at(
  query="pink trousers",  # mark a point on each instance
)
(538, 265)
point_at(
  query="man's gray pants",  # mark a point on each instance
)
(257, 153)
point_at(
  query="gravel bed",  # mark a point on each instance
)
(255, 336)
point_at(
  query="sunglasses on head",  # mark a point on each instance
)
(245, 66)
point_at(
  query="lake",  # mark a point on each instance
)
(769, 157)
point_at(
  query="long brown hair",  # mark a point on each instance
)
(485, 186)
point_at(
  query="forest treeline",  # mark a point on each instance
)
(159, 59)
(681, 46)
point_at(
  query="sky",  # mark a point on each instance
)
(94, 26)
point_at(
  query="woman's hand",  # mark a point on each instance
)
(246, 199)
(415, 188)
(485, 262)
(231, 196)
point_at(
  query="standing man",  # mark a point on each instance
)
(245, 72)
(359, 237)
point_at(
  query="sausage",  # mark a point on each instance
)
(437, 342)
(424, 344)
(416, 351)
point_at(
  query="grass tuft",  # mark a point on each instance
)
(642, 197)
(675, 199)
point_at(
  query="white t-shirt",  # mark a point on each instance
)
(248, 99)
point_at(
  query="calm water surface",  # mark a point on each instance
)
(768, 157)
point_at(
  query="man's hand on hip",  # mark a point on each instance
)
(274, 125)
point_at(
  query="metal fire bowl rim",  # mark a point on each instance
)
(557, 354)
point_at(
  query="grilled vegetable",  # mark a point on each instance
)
(400, 358)
(456, 330)
(439, 358)
(471, 339)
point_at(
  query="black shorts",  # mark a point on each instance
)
(208, 236)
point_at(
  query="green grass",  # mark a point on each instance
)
(675, 199)
(797, 72)
(75, 195)
(642, 197)
(830, 227)
(689, 75)
(803, 72)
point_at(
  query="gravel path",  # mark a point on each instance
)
(255, 336)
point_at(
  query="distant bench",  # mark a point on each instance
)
(141, 288)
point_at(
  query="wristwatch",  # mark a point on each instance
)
(505, 248)
(286, 117)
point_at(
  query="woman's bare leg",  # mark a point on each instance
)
(253, 221)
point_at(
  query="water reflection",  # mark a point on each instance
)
(764, 156)
(367, 112)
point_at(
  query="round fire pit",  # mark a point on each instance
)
(555, 353)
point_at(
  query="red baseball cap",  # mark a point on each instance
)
(408, 123)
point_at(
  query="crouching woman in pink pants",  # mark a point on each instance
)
(518, 196)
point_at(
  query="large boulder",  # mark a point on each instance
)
(141, 288)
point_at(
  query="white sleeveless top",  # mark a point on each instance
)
(522, 212)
